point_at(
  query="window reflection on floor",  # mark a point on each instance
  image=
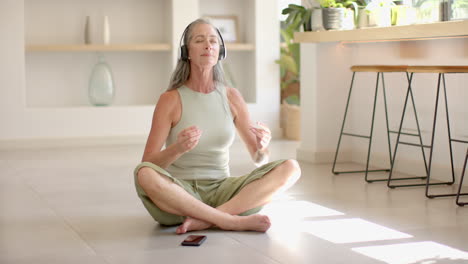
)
(293, 218)
(426, 252)
(351, 230)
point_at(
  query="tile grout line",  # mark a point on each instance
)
(252, 249)
(65, 221)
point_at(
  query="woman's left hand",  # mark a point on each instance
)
(262, 134)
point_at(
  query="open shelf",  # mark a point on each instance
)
(394, 33)
(91, 108)
(240, 46)
(123, 47)
(142, 53)
(97, 47)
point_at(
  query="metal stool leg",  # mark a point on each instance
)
(409, 94)
(388, 130)
(334, 171)
(386, 123)
(419, 130)
(461, 182)
(342, 126)
(372, 127)
(441, 79)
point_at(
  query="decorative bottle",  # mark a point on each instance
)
(106, 31)
(101, 84)
(87, 30)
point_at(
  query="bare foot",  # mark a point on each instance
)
(256, 222)
(192, 224)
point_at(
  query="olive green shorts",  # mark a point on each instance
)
(211, 192)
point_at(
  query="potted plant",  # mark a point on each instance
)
(428, 11)
(298, 18)
(458, 10)
(403, 13)
(337, 15)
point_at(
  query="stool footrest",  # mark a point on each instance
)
(400, 179)
(414, 144)
(404, 133)
(360, 171)
(445, 195)
(460, 141)
(355, 135)
(420, 184)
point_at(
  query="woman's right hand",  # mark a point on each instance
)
(188, 138)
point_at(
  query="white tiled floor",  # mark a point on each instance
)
(79, 206)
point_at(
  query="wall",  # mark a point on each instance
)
(30, 116)
(325, 87)
(12, 99)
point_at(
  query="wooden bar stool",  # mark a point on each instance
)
(441, 71)
(380, 70)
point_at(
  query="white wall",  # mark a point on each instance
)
(12, 99)
(29, 114)
(325, 81)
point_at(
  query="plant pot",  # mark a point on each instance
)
(333, 18)
(459, 13)
(316, 19)
(349, 21)
(403, 15)
(291, 121)
(429, 12)
(363, 18)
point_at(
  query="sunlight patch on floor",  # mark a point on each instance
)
(351, 230)
(292, 218)
(287, 216)
(296, 211)
(426, 252)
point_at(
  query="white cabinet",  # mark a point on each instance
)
(144, 43)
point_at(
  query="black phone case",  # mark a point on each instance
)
(193, 241)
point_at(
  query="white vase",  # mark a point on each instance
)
(316, 19)
(101, 88)
(106, 31)
(380, 17)
(405, 15)
(363, 18)
(349, 20)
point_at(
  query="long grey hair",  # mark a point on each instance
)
(182, 71)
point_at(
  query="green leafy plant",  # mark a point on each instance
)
(428, 10)
(298, 16)
(459, 9)
(374, 4)
(341, 3)
(460, 4)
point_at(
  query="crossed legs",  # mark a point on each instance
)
(173, 199)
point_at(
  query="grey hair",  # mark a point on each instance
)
(182, 71)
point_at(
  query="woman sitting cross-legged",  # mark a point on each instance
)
(187, 182)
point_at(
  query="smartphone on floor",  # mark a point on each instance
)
(193, 240)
